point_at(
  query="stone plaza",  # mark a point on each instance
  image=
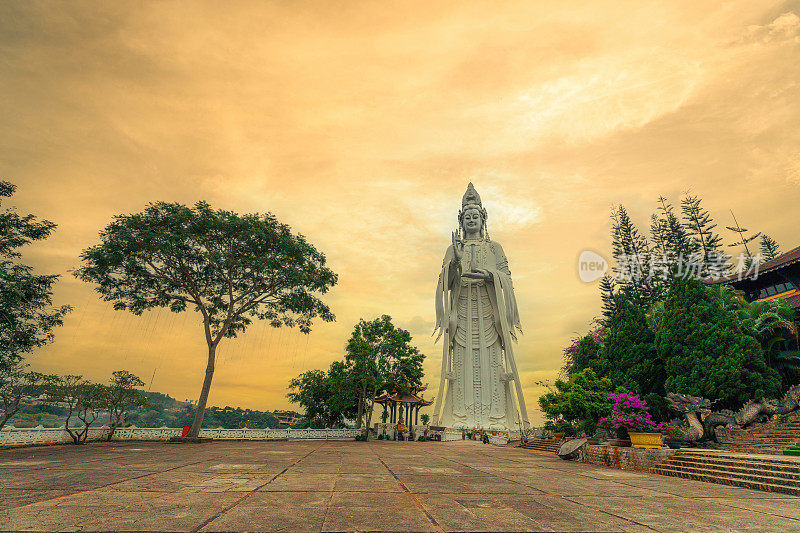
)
(357, 486)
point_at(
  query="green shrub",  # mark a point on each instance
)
(582, 399)
(705, 352)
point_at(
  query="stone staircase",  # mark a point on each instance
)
(771, 437)
(770, 473)
(542, 445)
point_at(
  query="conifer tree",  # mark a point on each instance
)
(769, 248)
(671, 246)
(743, 240)
(704, 240)
(675, 238)
(705, 352)
(607, 286)
(632, 254)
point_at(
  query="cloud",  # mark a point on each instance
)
(786, 27)
(361, 125)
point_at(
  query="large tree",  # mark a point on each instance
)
(15, 384)
(71, 392)
(228, 267)
(121, 396)
(327, 398)
(706, 353)
(27, 316)
(382, 358)
(632, 252)
(704, 240)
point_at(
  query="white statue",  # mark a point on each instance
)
(477, 312)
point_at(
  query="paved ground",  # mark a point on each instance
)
(335, 486)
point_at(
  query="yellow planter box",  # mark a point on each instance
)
(645, 440)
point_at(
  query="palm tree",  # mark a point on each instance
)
(773, 324)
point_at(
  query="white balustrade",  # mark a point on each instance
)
(11, 436)
(451, 434)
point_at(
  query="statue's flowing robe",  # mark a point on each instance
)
(478, 318)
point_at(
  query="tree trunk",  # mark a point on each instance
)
(201, 402)
(369, 413)
(75, 439)
(112, 426)
(360, 418)
(7, 417)
(11, 408)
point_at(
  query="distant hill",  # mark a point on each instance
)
(164, 410)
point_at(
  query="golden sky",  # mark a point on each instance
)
(360, 124)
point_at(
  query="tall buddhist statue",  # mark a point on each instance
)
(476, 312)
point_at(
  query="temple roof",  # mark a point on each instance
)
(395, 397)
(792, 256)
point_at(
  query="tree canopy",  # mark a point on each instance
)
(122, 395)
(705, 352)
(27, 314)
(228, 267)
(379, 357)
(382, 359)
(582, 398)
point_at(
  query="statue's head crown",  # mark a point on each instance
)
(471, 197)
(472, 200)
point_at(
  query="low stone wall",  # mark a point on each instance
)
(495, 437)
(451, 434)
(500, 440)
(624, 458)
(11, 436)
(389, 431)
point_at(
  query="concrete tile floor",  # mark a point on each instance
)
(354, 486)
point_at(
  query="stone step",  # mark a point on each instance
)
(749, 460)
(774, 470)
(769, 434)
(751, 475)
(766, 442)
(755, 450)
(736, 456)
(769, 431)
(763, 440)
(772, 431)
(763, 483)
(543, 445)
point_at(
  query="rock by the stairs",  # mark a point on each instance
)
(571, 448)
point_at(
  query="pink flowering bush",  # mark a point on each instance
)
(630, 413)
(598, 334)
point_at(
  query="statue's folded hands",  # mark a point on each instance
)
(478, 273)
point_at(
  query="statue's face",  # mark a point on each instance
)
(472, 220)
